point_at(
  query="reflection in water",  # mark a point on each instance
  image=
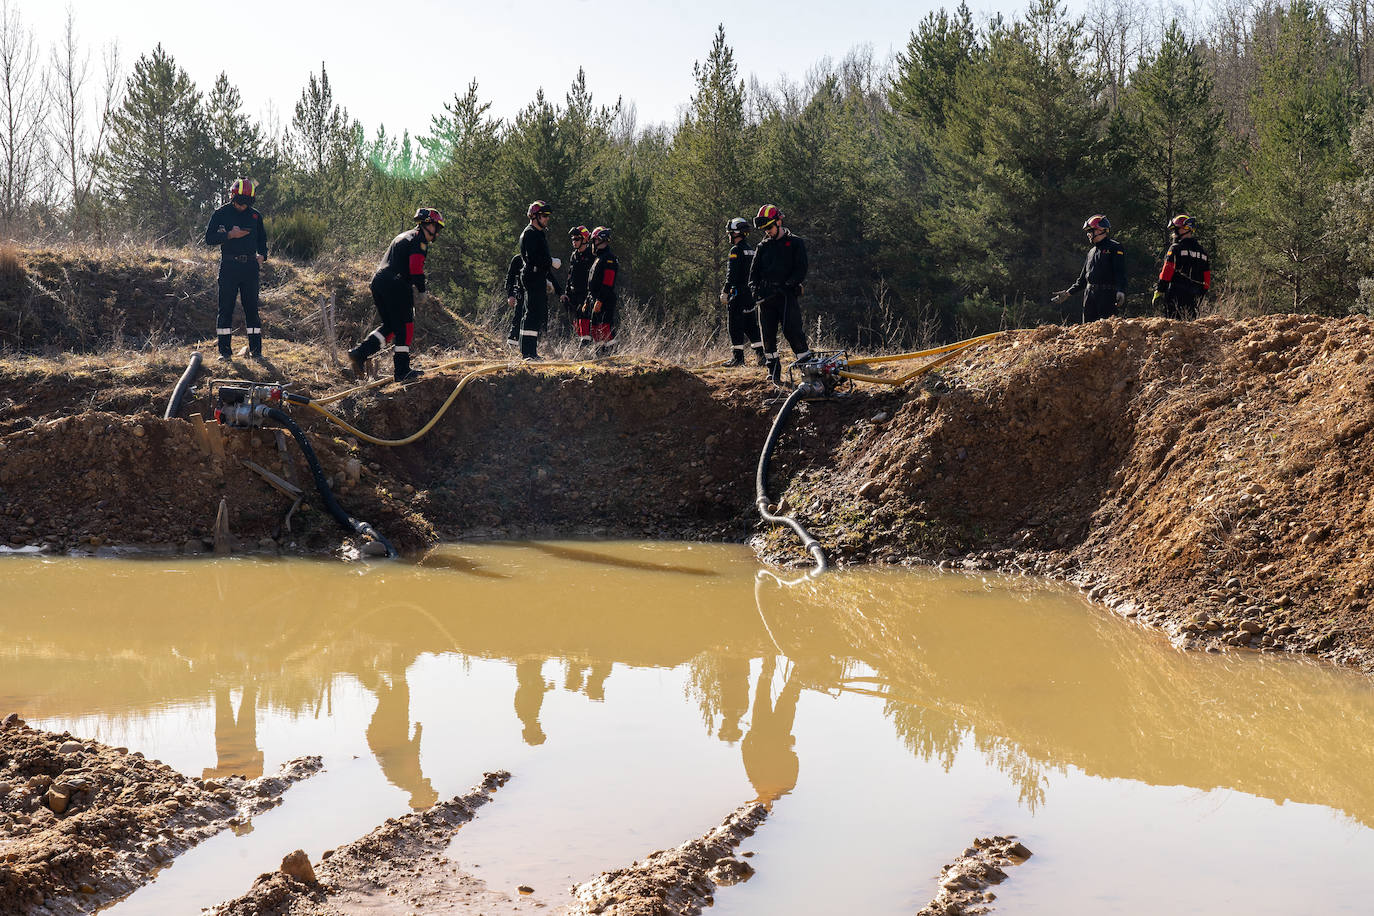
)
(236, 737)
(1026, 676)
(769, 757)
(529, 697)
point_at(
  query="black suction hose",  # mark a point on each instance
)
(761, 487)
(357, 526)
(188, 378)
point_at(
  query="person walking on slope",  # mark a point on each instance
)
(743, 319)
(515, 298)
(1187, 274)
(400, 275)
(1102, 281)
(575, 293)
(601, 291)
(237, 229)
(536, 275)
(777, 279)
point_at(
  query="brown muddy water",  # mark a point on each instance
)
(638, 692)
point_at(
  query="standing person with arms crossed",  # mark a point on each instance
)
(237, 229)
(575, 292)
(742, 317)
(601, 291)
(777, 278)
(400, 275)
(536, 276)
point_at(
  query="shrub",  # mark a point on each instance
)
(298, 235)
(11, 268)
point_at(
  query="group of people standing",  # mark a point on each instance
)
(762, 291)
(1183, 280)
(588, 298)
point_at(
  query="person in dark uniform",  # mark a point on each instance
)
(777, 279)
(1102, 281)
(743, 319)
(398, 277)
(575, 292)
(601, 292)
(237, 229)
(536, 275)
(1186, 275)
(515, 298)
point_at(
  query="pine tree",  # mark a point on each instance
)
(328, 153)
(1303, 108)
(159, 161)
(705, 181)
(240, 150)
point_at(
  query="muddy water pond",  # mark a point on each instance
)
(638, 692)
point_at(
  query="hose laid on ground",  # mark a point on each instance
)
(357, 526)
(316, 405)
(916, 354)
(761, 487)
(188, 378)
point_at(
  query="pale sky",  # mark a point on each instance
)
(397, 63)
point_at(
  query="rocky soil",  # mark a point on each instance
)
(82, 824)
(965, 882)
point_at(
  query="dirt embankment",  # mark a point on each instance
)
(82, 824)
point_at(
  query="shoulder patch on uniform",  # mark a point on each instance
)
(733, 255)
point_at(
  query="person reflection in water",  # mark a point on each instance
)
(769, 759)
(734, 697)
(587, 679)
(389, 735)
(236, 738)
(529, 697)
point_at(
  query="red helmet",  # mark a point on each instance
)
(1097, 221)
(243, 187)
(429, 215)
(538, 208)
(1181, 222)
(579, 232)
(767, 216)
(601, 234)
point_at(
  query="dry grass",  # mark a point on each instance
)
(11, 266)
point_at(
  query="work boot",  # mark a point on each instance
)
(759, 358)
(357, 365)
(736, 360)
(411, 375)
(775, 371)
(536, 358)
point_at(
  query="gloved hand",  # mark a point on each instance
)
(510, 300)
(565, 300)
(1157, 299)
(1120, 298)
(801, 290)
(1059, 296)
(548, 286)
(724, 298)
(556, 263)
(596, 309)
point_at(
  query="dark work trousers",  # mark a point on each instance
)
(395, 302)
(1098, 302)
(238, 279)
(536, 311)
(517, 317)
(1181, 303)
(781, 309)
(743, 322)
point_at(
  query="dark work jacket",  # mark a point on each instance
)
(254, 243)
(1185, 261)
(1105, 267)
(405, 260)
(513, 288)
(579, 269)
(534, 249)
(601, 280)
(737, 271)
(779, 266)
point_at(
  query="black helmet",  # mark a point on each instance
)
(738, 224)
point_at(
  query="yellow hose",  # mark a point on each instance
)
(874, 360)
(476, 373)
(901, 379)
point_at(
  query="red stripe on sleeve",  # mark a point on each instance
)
(417, 265)
(1206, 279)
(1167, 273)
(608, 278)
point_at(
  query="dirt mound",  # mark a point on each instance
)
(82, 823)
(1212, 477)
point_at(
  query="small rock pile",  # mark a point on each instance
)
(964, 883)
